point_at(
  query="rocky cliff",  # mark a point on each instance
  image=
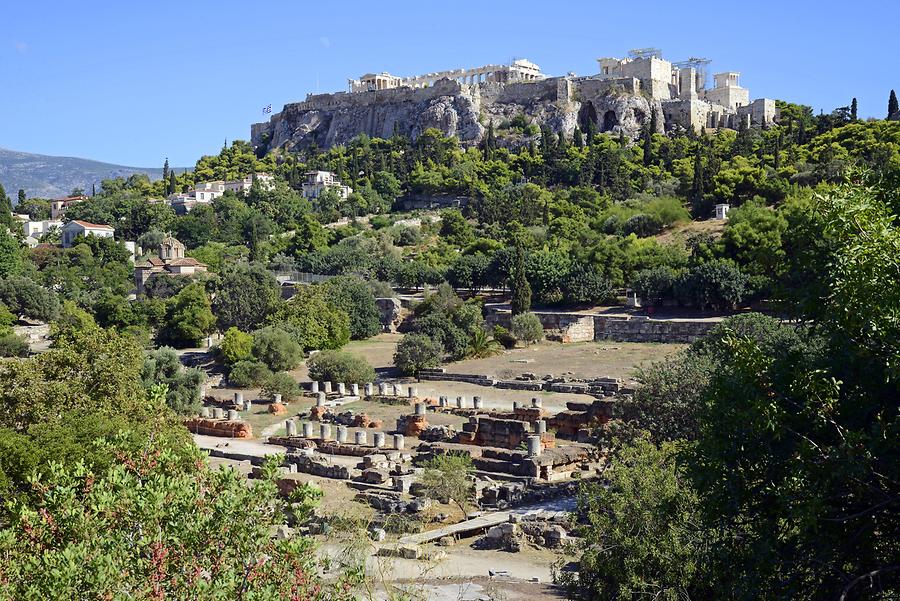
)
(561, 103)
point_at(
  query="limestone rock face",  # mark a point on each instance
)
(621, 113)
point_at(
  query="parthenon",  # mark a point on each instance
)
(518, 71)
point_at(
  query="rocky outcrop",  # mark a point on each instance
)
(561, 103)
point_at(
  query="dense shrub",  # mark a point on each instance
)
(12, 345)
(585, 285)
(526, 327)
(655, 284)
(354, 297)
(718, 285)
(236, 346)
(275, 347)
(338, 366)
(281, 383)
(504, 337)
(249, 374)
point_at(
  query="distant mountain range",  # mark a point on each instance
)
(44, 176)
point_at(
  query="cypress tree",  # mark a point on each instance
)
(21, 197)
(93, 189)
(165, 176)
(697, 191)
(648, 146)
(778, 142)
(520, 301)
(561, 144)
(172, 184)
(489, 142)
(893, 105)
(6, 218)
(577, 139)
(853, 108)
(591, 131)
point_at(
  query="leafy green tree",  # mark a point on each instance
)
(276, 348)
(354, 297)
(526, 327)
(416, 352)
(718, 285)
(449, 478)
(23, 296)
(338, 366)
(189, 317)
(640, 535)
(753, 238)
(247, 294)
(247, 374)
(10, 255)
(455, 229)
(107, 529)
(162, 367)
(312, 322)
(281, 383)
(236, 346)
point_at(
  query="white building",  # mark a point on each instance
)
(73, 229)
(319, 181)
(58, 207)
(36, 229)
(241, 186)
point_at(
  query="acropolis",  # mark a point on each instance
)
(621, 98)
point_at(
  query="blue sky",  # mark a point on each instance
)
(134, 82)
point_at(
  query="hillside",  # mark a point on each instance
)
(45, 176)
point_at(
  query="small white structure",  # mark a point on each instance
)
(209, 191)
(318, 181)
(58, 206)
(76, 228)
(722, 212)
(36, 229)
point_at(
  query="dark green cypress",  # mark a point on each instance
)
(577, 139)
(893, 106)
(853, 109)
(520, 301)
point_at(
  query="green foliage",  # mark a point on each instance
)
(520, 288)
(416, 352)
(503, 336)
(640, 536)
(245, 297)
(338, 366)
(249, 374)
(162, 367)
(236, 346)
(481, 345)
(449, 478)
(10, 254)
(718, 285)
(276, 348)
(12, 345)
(354, 297)
(23, 296)
(189, 317)
(526, 327)
(312, 321)
(281, 383)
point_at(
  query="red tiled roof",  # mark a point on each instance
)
(186, 262)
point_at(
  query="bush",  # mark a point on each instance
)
(248, 374)
(655, 284)
(718, 285)
(503, 336)
(12, 345)
(275, 347)
(338, 366)
(527, 327)
(417, 352)
(643, 225)
(163, 366)
(585, 285)
(281, 383)
(236, 346)
(354, 297)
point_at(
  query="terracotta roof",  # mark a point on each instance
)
(70, 198)
(186, 262)
(156, 261)
(92, 226)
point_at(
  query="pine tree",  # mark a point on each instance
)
(853, 109)
(172, 184)
(577, 139)
(893, 106)
(165, 176)
(520, 301)
(697, 187)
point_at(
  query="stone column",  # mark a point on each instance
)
(354, 389)
(412, 392)
(307, 430)
(378, 439)
(420, 408)
(248, 404)
(205, 412)
(314, 387)
(398, 390)
(326, 386)
(382, 389)
(277, 398)
(460, 402)
(324, 431)
(534, 446)
(515, 405)
(218, 413)
(477, 402)
(368, 389)
(541, 426)
(442, 401)
(233, 415)
(239, 399)
(398, 442)
(536, 403)
(320, 399)
(360, 437)
(291, 427)
(341, 389)
(341, 435)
